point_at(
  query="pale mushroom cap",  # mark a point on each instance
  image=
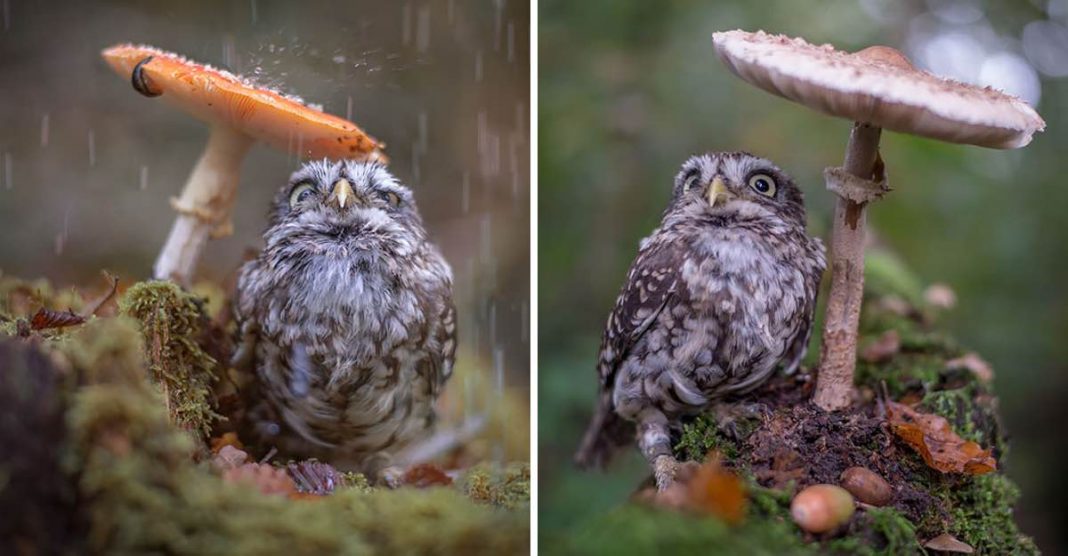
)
(221, 98)
(878, 89)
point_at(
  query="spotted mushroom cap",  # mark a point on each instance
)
(878, 86)
(222, 98)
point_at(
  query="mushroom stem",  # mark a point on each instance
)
(205, 205)
(838, 360)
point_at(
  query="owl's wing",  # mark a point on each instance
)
(799, 343)
(650, 287)
(446, 353)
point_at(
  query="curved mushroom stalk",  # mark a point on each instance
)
(239, 113)
(205, 205)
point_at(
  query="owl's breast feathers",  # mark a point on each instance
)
(710, 310)
(350, 352)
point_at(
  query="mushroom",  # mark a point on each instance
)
(239, 113)
(875, 88)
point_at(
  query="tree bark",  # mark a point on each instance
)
(838, 355)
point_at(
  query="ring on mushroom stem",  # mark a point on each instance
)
(138, 80)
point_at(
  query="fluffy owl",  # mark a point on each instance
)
(721, 293)
(346, 320)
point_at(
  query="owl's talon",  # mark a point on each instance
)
(390, 477)
(664, 470)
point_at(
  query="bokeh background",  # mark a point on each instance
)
(629, 90)
(87, 165)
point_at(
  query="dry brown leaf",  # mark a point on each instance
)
(933, 438)
(229, 457)
(940, 296)
(972, 362)
(266, 478)
(227, 439)
(425, 475)
(47, 318)
(315, 477)
(708, 488)
(948, 543)
(882, 349)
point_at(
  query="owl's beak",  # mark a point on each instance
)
(342, 192)
(718, 192)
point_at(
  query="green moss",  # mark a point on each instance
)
(638, 529)
(877, 531)
(507, 487)
(982, 516)
(171, 322)
(702, 435)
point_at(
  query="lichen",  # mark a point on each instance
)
(506, 487)
(171, 320)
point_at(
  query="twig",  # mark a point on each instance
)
(95, 306)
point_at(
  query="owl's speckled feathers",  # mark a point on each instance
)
(720, 294)
(346, 318)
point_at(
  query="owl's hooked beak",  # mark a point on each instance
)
(718, 192)
(342, 192)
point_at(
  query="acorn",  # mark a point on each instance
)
(867, 486)
(822, 508)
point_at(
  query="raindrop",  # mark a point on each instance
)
(255, 12)
(465, 194)
(92, 148)
(498, 367)
(61, 237)
(44, 129)
(1046, 46)
(339, 59)
(423, 131)
(487, 237)
(7, 171)
(511, 42)
(406, 24)
(7, 15)
(348, 108)
(450, 11)
(302, 371)
(228, 55)
(478, 66)
(498, 17)
(422, 34)
(144, 178)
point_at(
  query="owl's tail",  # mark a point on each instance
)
(605, 435)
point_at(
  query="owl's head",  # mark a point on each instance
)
(738, 183)
(351, 203)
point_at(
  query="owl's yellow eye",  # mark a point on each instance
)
(393, 198)
(300, 193)
(763, 184)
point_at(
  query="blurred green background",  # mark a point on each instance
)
(87, 165)
(629, 90)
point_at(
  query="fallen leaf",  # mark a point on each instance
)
(227, 439)
(933, 438)
(709, 489)
(882, 349)
(425, 475)
(314, 477)
(940, 296)
(266, 478)
(47, 318)
(229, 457)
(972, 362)
(948, 543)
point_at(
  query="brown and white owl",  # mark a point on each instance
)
(720, 295)
(346, 320)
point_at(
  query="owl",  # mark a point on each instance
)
(346, 321)
(719, 296)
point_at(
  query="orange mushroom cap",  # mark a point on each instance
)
(222, 98)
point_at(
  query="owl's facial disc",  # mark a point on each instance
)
(342, 193)
(718, 193)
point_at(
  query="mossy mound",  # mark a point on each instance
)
(113, 468)
(792, 444)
